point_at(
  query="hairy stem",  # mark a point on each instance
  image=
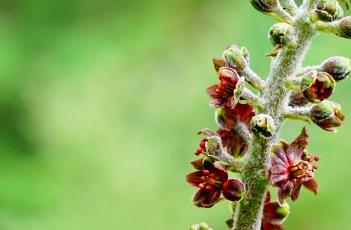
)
(248, 213)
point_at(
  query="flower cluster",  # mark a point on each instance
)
(249, 112)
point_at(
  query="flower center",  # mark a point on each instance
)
(302, 170)
(209, 180)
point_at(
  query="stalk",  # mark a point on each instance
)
(248, 213)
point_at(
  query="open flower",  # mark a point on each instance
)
(223, 92)
(209, 178)
(212, 180)
(292, 167)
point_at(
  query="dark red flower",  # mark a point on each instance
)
(212, 179)
(273, 214)
(227, 118)
(209, 178)
(292, 167)
(233, 142)
(223, 92)
(233, 190)
(317, 86)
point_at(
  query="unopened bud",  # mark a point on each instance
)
(262, 125)
(343, 28)
(317, 86)
(338, 67)
(233, 190)
(327, 115)
(327, 11)
(275, 213)
(264, 6)
(281, 34)
(236, 57)
(202, 226)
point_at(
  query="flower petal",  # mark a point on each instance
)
(294, 155)
(295, 192)
(278, 178)
(279, 154)
(197, 163)
(301, 141)
(284, 191)
(206, 198)
(194, 178)
(312, 186)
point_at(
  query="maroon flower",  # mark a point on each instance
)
(227, 118)
(292, 167)
(317, 86)
(273, 214)
(209, 178)
(233, 142)
(233, 190)
(223, 92)
(212, 179)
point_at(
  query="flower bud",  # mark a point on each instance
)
(327, 11)
(344, 27)
(327, 115)
(317, 86)
(202, 226)
(264, 6)
(236, 57)
(274, 213)
(233, 190)
(338, 67)
(262, 125)
(281, 34)
(297, 99)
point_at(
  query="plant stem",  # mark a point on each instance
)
(248, 213)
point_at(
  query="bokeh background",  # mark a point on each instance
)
(100, 101)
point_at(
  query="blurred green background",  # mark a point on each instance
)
(100, 102)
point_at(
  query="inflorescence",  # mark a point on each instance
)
(240, 113)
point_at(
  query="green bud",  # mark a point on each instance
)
(236, 57)
(338, 67)
(262, 125)
(264, 6)
(327, 11)
(202, 226)
(343, 28)
(327, 115)
(281, 34)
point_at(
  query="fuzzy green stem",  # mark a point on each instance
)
(248, 213)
